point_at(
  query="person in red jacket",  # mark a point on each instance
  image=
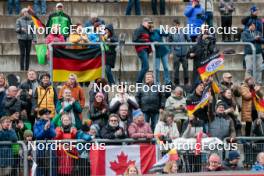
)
(139, 128)
(66, 131)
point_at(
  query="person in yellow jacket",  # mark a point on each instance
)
(45, 96)
(78, 36)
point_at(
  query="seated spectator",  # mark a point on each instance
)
(94, 131)
(232, 162)
(68, 105)
(259, 165)
(166, 128)
(226, 83)
(54, 36)
(221, 125)
(258, 125)
(98, 86)
(66, 131)
(139, 128)
(99, 110)
(17, 124)
(176, 104)
(12, 101)
(112, 130)
(123, 97)
(214, 163)
(151, 101)
(3, 88)
(78, 37)
(46, 95)
(43, 128)
(192, 126)
(83, 133)
(125, 119)
(131, 170)
(170, 167)
(6, 153)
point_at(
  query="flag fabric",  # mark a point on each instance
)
(85, 63)
(198, 147)
(194, 106)
(213, 64)
(215, 87)
(258, 102)
(41, 51)
(37, 22)
(114, 160)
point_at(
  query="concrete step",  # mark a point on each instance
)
(173, 8)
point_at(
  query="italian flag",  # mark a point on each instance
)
(114, 160)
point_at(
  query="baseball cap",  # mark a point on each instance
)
(59, 5)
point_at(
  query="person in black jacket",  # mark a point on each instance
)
(151, 100)
(112, 130)
(142, 35)
(110, 54)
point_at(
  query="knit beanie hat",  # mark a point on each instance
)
(137, 113)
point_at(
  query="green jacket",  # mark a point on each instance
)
(59, 17)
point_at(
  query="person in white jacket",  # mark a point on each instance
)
(166, 127)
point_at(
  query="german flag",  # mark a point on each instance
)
(258, 102)
(37, 22)
(213, 65)
(215, 88)
(85, 63)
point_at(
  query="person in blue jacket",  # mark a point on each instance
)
(253, 18)
(259, 166)
(195, 14)
(162, 52)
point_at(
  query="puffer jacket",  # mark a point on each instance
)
(108, 132)
(142, 35)
(166, 130)
(174, 102)
(139, 131)
(26, 23)
(257, 167)
(150, 101)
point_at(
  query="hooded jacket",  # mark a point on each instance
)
(142, 35)
(111, 51)
(40, 133)
(26, 23)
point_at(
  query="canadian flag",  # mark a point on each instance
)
(114, 160)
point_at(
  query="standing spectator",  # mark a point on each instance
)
(226, 8)
(77, 91)
(142, 35)
(3, 88)
(208, 6)
(150, 100)
(11, 4)
(191, 127)
(258, 125)
(139, 128)
(232, 162)
(129, 7)
(176, 104)
(253, 18)
(110, 54)
(30, 85)
(214, 163)
(6, 153)
(25, 37)
(154, 5)
(125, 118)
(255, 37)
(12, 101)
(162, 53)
(94, 36)
(99, 110)
(40, 7)
(68, 105)
(78, 36)
(45, 96)
(221, 125)
(195, 18)
(60, 18)
(226, 83)
(122, 97)
(259, 165)
(66, 131)
(166, 127)
(54, 36)
(112, 130)
(249, 113)
(179, 53)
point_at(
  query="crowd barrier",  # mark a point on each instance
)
(49, 158)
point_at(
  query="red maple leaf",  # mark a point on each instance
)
(120, 166)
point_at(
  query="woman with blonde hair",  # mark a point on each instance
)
(131, 170)
(3, 87)
(170, 167)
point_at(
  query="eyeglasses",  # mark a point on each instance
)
(113, 120)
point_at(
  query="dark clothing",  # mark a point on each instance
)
(12, 103)
(154, 5)
(176, 65)
(108, 132)
(249, 36)
(2, 96)
(218, 169)
(25, 48)
(253, 19)
(98, 117)
(197, 126)
(156, 36)
(142, 35)
(231, 167)
(111, 53)
(130, 5)
(258, 129)
(226, 23)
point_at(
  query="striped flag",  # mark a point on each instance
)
(258, 102)
(85, 63)
(37, 22)
(211, 66)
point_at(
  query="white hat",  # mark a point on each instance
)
(59, 4)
